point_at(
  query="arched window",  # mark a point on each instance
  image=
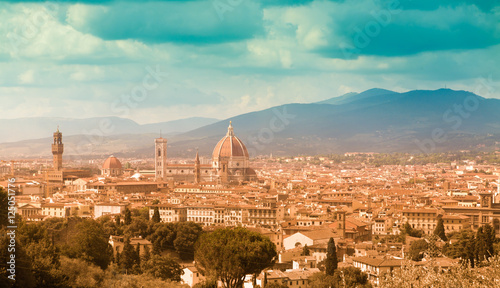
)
(159, 152)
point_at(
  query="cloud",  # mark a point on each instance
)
(349, 30)
(158, 22)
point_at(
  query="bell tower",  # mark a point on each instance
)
(57, 150)
(160, 158)
(340, 217)
(197, 175)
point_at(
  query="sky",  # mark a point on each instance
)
(153, 61)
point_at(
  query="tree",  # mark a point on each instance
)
(439, 231)
(305, 251)
(352, 277)
(464, 248)
(163, 237)
(187, 233)
(345, 277)
(410, 231)
(163, 267)
(230, 254)
(417, 249)
(146, 256)
(490, 240)
(331, 258)
(23, 269)
(138, 227)
(485, 238)
(91, 244)
(129, 260)
(432, 275)
(156, 216)
(4, 207)
(128, 216)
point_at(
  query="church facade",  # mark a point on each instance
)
(230, 163)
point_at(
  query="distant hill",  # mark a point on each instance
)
(376, 120)
(12, 130)
(353, 96)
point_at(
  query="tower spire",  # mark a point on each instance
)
(230, 131)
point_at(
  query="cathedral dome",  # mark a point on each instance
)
(112, 163)
(230, 146)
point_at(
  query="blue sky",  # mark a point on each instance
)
(221, 58)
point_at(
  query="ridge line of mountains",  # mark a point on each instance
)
(376, 120)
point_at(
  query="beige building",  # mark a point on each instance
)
(421, 219)
(376, 267)
(455, 223)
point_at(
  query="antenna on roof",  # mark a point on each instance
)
(160, 133)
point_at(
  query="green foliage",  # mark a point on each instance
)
(138, 227)
(331, 260)
(346, 277)
(230, 254)
(276, 285)
(156, 216)
(139, 281)
(463, 248)
(91, 244)
(163, 267)
(485, 238)
(410, 231)
(206, 284)
(128, 216)
(23, 270)
(187, 235)
(111, 227)
(432, 276)
(142, 213)
(306, 251)
(4, 207)
(129, 259)
(80, 274)
(163, 237)
(439, 231)
(417, 249)
(179, 237)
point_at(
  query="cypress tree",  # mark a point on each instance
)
(147, 254)
(480, 251)
(331, 258)
(156, 216)
(439, 231)
(305, 251)
(489, 235)
(128, 216)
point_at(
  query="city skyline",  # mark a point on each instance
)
(219, 59)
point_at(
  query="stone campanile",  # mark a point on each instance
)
(160, 158)
(57, 150)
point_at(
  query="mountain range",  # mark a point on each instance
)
(375, 120)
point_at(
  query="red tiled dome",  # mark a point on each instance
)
(112, 163)
(230, 146)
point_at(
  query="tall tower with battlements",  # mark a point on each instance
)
(57, 150)
(160, 158)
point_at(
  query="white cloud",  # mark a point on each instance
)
(27, 77)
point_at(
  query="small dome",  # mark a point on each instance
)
(230, 146)
(112, 163)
